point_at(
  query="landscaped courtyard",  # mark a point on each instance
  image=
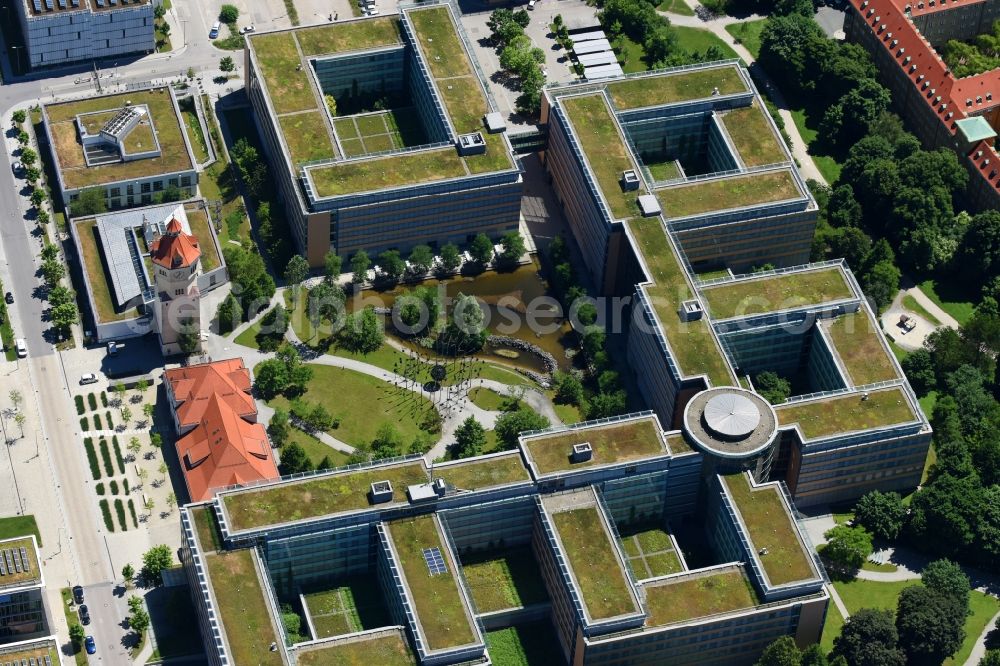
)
(354, 605)
(503, 579)
(650, 551)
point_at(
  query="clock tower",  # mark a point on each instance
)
(177, 308)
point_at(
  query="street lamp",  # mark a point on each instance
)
(18, 49)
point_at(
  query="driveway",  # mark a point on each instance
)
(914, 339)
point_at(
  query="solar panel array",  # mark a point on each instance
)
(435, 561)
(120, 121)
(30, 661)
(14, 561)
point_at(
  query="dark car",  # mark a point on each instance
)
(84, 614)
(78, 594)
(9, 298)
(91, 646)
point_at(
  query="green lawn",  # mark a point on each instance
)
(821, 418)
(315, 449)
(631, 56)
(504, 579)
(524, 645)
(307, 136)
(778, 292)
(487, 399)
(698, 596)
(927, 403)
(727, 193)
(828, 166)
(240, 601)
(18, 526)
(384, 651)
(372, 404)
(831, 628)
(248, 338)
(911, 304)
(207, 527)
(384, 172)
(698, 40)
(950, 298)
(649, 550)
(353, 604)
(676, 7)
(72, 618)
(747, 33)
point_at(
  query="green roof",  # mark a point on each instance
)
(752, 135)
(860, 347)
(240, 603)
(307, 136)
(286, 79)
(347, 36)
(770, 528)
(387, 650)
(68, 150)
(693, 344)
(616, 443)
(439, 606)
(41, 649)
(594, 561)
(728, 192)
(843, 414)
(676, 86)
(316, 496)
(390, 171)
(27, 575)
(605, 149)
(478, 473)
(772, 293)
(698, 595)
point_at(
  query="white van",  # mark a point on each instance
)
(22, 347)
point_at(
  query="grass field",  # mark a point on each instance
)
(504, 579)
(524, 645)
(487, 399)
(699, 40)
(354, 605)
(747, 33)
(950, 298)
(911, 304)
(831, 629)
(17, 526)
(676, 7)
(384, 651)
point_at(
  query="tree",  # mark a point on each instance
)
(162, 469)
(128, 574)
(294, 459)
(607, 403)
(148, 410)
(134, 445)
(139, 621)
(881, 283)
(229, 14)
(869, 638)
(848, 546)
(53, 270)
(416, 312)
(29, 157)
(270, 378)
(481, 249)
(19, 419)
(19, 116)
(392, 265)
(782, 652)
(470, 438)
(156, 440)
(226, 64)
(295, 272)
(978, 254)
(360, 263)
(466, 331)
(945, 577)
(171, 501)
(278, 428)
(451, 258)
(64, 316)
(90, 201)
(388, 443)
(126, 414)
(919, 369)
(252, 285)
(772, 388)
(510, 425)
(513, 247)
(32, 174)
(944, 513)
(569, 389)
(593, 342)
(332, 264)
(852, 116)
(421, 259)
(992, 658)
(187, 337)
(229, 314)
(77, 634)
(931, 626)
(154, 561)
(362, 332)
(882, 514)
(783, 48)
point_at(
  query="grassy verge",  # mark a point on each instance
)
(6, 330)
(807, 123)
(831, 628)
(747, 33)
(195, 135)
(950, 298)
(911, 304)
(293, 13)
(79, 656)
(17, 526)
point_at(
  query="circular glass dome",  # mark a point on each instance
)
(731, 415)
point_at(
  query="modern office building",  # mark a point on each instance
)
(131, 146)
(60, 32)
(961, 114)
(35, 652)
(145, 269)
(381, 134)
(23, 616)
(629, 544)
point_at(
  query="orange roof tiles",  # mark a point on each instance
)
(224, 445)
(175, 249)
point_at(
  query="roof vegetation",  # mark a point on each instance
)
(847, 413)
(695, 349)
(307, 136)
(239, 600)
(771, 529)
(620, 442)
(484, 473)
(346, 36)
(389, 650)
(27, 574)
(698, 595)
(438, 38)
(287, 80)
(753, 137)
(100, 289)
(859, 346)
(672, 87)
(728, 192)
(773, 293)
(425, 166)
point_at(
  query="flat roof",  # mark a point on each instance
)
(19, 565)
(728, 192)
(41, 649)
(591, 46)
(43, 8)
(386, 648)
(321, 495)
(861, 348)
(440, 608)
(772, 531)
(692, 343)
(976, 128)
(174, 155)
(775, 292)
(846, 413)
(671, 87)
(753, 136)
(483, 472)
(624, 441)
(241, 605)
(685, 597)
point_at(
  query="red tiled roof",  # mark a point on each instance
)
(175, 249)
(225, 447)
(951, 99)
(921, 7)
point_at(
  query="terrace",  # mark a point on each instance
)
(317, 496)
(476, 474)
(240, 603)
(859, 346)
(783, 291)
(604, 147)
(384, 650)
(697, 595)
(611, 444)
(674, 87)
(68, 150)
(593, 558)
(843, 414)
(752, 135)
(29, 571)
(727, 193)
(444, 619)
(692, 343)
(771, 530)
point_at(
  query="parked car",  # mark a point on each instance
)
(531, 4)
(8, 298)
(89, 378)
(214, 32)
(84, 614)
(90, 645)
(22, 348)
(78, 594)
(113, 348)
(244, 30)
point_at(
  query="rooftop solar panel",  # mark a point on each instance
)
(435, 561)
(24, 558)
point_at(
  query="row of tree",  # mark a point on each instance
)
(519, 56)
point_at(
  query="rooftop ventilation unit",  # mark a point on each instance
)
(471, 144)
(494, 123)
(629, 180)
(691, 310)
(381, 492)
(440, 487)
(582, 452)
(989, 95)
(979, 99)
(649, 205)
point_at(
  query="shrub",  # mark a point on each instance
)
(99, 488)
(110, 424)
(79, 404)
(95, 469)
(97, 422)
(106, 512)
(229, 14)
(83, 424)
(109, 466)
(92, 401)
(120, 510)
(104, 399)
(125, 484)
(131, 510)
(113, 486)
(118, 456)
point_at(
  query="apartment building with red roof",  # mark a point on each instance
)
(219, 442)
(962, 114)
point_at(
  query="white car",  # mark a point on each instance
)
(22, 347)
(246, 29)
(531, 4)
(89, 378)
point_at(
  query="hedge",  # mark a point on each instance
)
(99, 488)
(95, 469)
(92, 401)
(120, 510)
(109, 466)
(79, 405)
(131, 509)
(106, 512)
(104, 399)
(118, 455)
(97, 422)
(83, 424)
(114, 487)
(110, 423)
(125, 484)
